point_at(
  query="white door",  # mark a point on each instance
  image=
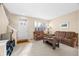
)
(22, 29)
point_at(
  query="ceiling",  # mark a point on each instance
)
(42, 10)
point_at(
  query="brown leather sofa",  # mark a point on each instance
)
(68, 38)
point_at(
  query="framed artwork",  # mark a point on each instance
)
(65, 24)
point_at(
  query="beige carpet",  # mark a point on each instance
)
(38, 48)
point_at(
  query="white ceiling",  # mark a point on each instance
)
(42, 10)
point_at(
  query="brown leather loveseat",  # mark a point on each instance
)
(68, 38)
(38, 35)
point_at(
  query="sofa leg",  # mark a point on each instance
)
(57, 45)
(43, 41)
(54, 46)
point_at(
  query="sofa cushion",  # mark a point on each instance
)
(60, 34)
(70, 35)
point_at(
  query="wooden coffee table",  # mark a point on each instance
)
(53, 42)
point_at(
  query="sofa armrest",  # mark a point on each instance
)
(74, 41)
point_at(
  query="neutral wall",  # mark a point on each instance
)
(72, 20)
(13, 19)
(3, 21)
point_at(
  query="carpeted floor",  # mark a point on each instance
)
(38, 48)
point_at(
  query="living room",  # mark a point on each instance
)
(31, 26)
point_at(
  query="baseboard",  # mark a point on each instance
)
(22, 41)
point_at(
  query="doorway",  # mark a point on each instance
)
(22, 29)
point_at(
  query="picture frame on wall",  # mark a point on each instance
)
(65, 24)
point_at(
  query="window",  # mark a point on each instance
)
(39, 26)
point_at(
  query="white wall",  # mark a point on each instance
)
(13, 18)
(3, 20)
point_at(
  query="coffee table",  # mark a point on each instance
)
(53, 42)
